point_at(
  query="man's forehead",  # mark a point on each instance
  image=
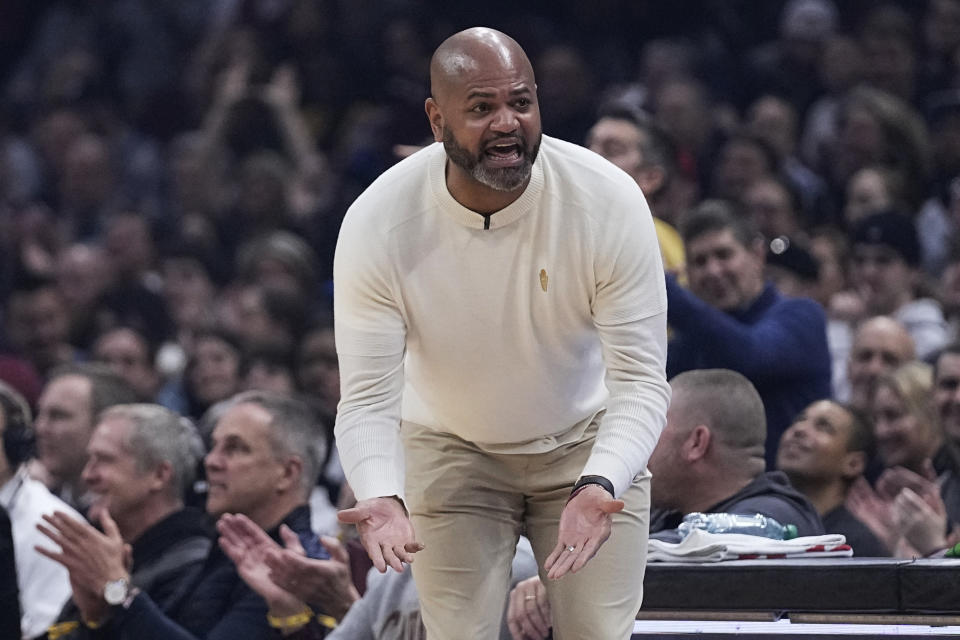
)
(245, 420)
(714, 239)
(67, 387)
(110, 433)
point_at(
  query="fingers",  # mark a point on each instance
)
(109, 526)
(355, 515)
(612, 506)
(336, 549)
(554, 556)
(233, 550)
(585, 554)
(564, 562)
(391, 557)
(228, 531)
(528, 612)
(376, 555)
(49, 553)
(291, 541)
(414, 547)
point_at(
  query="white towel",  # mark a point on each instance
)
(701, 546)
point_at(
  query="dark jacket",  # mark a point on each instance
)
(9, 592)
(769, 494)
(165, 556)
(214, 604)
(863, 541)
(778, 343)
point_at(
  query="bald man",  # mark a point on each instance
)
(880, 345)
(501, 329)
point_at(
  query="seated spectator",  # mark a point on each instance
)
(43, 584)
(907, 507)
(946, 400)
(886, 276)
(213, 369)
(268, 367)
(730, 318)
(132, 356)
(774, 207)
(288, 581)
(880, 345)
(946, 392)
(647, 154)
(264, 457)
(823, 452)
(142, 459)
(37, 323)
(66, 414)
(710, 457)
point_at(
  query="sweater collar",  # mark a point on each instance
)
(509, 214)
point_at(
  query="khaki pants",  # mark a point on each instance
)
(469, 506)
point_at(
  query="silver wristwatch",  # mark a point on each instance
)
(115, 592)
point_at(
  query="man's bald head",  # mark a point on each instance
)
(880, 345)
(474, 51)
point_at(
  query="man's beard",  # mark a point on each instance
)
(499, 178)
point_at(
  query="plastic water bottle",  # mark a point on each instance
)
(755, 525)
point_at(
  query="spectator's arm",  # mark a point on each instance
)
(786, 340)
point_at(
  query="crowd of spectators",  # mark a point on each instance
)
(173, 176)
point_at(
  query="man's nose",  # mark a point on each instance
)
(505, 121)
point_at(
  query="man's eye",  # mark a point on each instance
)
(523, 102)
(481, 108)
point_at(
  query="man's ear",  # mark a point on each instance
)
(697, 444)
(435, 117)
(162, 474)
(853, 465)
(292, 471)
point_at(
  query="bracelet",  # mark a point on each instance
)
(588, 480)
(61, 629)
(289, 622)
(92, 624)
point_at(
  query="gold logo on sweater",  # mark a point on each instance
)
(543, 279)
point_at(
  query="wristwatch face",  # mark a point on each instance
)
(115, 591)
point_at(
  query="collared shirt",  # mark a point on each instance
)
(44, 584)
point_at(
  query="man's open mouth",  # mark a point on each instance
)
(504, 151)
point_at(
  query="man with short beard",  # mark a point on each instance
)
(500, 295)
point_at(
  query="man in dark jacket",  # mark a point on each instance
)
(710, 457)
(141, 459)
(266, 452)
(731, 318)
(824, 452)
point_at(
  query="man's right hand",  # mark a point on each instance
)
(385, 531)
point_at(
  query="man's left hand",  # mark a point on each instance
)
(91, 557)
(584, 526)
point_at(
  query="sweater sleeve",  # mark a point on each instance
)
(639, 396)
(371, 337)
(629, 312)
(790, 339)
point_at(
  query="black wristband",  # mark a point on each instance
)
(598, 480)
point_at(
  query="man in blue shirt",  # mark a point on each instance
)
(731, 318)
